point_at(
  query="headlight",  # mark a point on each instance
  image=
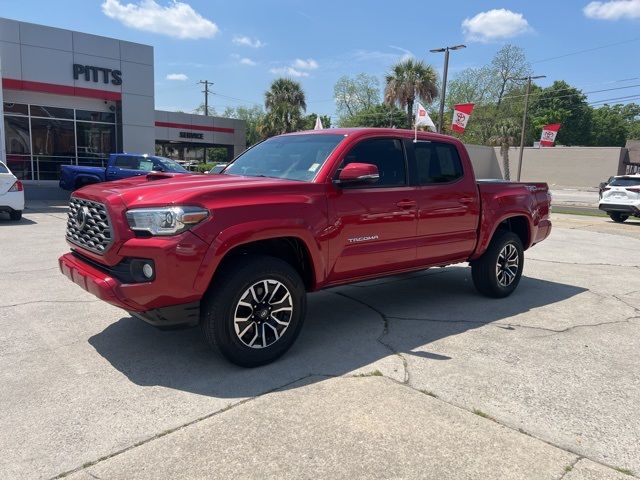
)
(165, 220)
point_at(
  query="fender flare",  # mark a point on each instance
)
(484, 240)
(257, 230)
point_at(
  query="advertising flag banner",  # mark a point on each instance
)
(318, 125)
(461, 114)
(549, 132)
(423, 118)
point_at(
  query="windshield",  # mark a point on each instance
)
(295, 157)
(625, 182)
(170, 165)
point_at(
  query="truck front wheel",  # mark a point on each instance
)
(497, 272)
(254, 309)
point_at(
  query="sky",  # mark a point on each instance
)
(242, 46)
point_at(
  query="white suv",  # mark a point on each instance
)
(621, 198)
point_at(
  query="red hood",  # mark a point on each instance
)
(180, 189)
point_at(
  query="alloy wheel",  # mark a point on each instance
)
(263, 313)
(507, 265)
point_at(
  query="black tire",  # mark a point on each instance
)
(222, 301)
(488, 278)
(15, 215)
(618, 217)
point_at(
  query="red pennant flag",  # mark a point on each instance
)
(549, 132)
(461, 114)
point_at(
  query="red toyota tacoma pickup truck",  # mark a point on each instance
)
(237, 252)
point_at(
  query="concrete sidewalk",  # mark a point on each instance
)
(414, 376)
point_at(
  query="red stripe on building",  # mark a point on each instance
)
(202, 128)
(12, 84)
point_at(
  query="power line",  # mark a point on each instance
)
(586, 50)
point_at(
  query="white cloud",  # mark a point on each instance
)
(177, 76)
(406, 54)
(308, 64)
(289, 71)
(494, 24)
(613, 10)
(247, 61)
(247, 41)
(177, 19)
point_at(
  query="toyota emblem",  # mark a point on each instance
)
(81, 217)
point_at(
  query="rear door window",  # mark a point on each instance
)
(437, 162)
(3, 168)
(127, 162)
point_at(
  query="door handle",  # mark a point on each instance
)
(406, 204)
(466, 200)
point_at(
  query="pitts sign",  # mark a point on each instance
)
(96, 74)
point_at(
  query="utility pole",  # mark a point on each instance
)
(524, 117)
(206, 92)
(444, 79)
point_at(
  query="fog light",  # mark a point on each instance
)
(147, 270)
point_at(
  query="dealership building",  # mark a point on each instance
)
(73, 98)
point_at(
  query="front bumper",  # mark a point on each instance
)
(169, 299)
(620, 208)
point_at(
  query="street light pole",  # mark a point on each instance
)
(524, 118)
(444, 79)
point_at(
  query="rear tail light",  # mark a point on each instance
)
(633, 189)
(17, 187)
(606, 188)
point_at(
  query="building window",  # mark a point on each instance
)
(16, 108)
(40, 139)
(95, 141)
(51, 112)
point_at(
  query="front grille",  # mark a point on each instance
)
(88, 225)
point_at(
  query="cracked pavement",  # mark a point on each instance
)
(412, 376)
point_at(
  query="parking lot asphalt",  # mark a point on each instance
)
(413, 376)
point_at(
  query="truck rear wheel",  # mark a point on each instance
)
(497, 272)
(254, 310)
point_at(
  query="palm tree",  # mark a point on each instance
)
(285, 103)
(505, 137)
(410, 79)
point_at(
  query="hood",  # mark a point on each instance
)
(159, 190)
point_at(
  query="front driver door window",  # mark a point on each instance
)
(376, 222)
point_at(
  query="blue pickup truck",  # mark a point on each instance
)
(120, 165)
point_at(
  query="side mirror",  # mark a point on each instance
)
(358, 173)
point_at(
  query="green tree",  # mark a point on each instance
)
(252, 116)
(285, 102)
(509, 64)
(209, 110)
(309, 122)
(377, 116)
(608, 127)
(408, 81)
(562, 103)
(505, 137)
(355, 94)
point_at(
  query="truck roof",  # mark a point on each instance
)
(367, 130)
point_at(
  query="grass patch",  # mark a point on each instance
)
(375, 373)
(568, 468)
(480, 413)
(626, 471)
(430, 393)
(585, 212)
